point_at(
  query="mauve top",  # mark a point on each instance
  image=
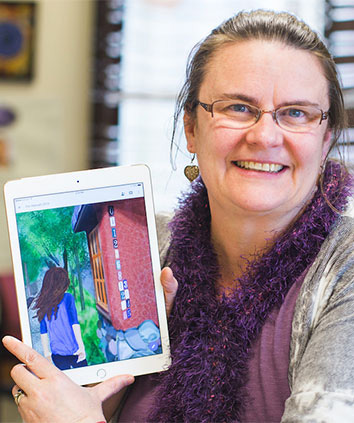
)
(267, 386)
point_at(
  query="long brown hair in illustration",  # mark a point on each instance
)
(55, 282)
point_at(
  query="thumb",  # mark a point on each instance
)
(170, 286)
(109, 387)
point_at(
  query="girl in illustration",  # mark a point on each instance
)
(59, 326)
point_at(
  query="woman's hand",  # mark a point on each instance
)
(170, 286)
(50, 396)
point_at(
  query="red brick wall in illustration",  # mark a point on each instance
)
(126, 261)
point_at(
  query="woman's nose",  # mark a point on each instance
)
(265, 133)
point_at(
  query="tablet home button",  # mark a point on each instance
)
(101, 373)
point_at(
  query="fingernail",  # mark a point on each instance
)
(130, 379)
(7, 338)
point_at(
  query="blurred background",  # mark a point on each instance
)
(92, 83)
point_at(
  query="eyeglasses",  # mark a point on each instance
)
(292, 118)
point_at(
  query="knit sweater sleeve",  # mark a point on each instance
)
(321, 371)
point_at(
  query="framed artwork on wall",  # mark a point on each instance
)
(17, 28)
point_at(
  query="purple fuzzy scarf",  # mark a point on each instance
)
(211, 338)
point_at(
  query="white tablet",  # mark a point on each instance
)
(86, 266)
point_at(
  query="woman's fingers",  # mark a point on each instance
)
(47, 390)
(170, 286)
(35, 362)
(109, 387)
(24, 378)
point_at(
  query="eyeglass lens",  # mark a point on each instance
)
(241, 115)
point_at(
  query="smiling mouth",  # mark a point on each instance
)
(261, 167)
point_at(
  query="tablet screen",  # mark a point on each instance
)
(88, 275)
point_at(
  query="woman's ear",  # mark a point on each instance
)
(189, 131)
(326, 144)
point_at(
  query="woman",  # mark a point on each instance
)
(261, 326)
(59, 325)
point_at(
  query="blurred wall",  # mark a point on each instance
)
(51, 131)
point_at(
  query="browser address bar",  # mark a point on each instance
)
(80, 197)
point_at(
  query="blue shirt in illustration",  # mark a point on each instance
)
(61, 335)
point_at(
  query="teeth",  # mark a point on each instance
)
(263, 167)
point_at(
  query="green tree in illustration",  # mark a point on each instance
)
(47, 239)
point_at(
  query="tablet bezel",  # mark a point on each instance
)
(78, 181)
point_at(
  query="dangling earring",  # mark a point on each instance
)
(191, 171)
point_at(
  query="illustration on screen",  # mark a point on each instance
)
(89, 282)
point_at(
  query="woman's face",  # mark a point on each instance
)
(269, 75)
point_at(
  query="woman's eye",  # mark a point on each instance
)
(235, 110)
(239, 108)
(295, 113)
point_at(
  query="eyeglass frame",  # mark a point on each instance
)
(209, 108)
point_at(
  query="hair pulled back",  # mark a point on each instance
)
(261, 25)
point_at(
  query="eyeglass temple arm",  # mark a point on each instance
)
(207, 107)
(324, 116)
